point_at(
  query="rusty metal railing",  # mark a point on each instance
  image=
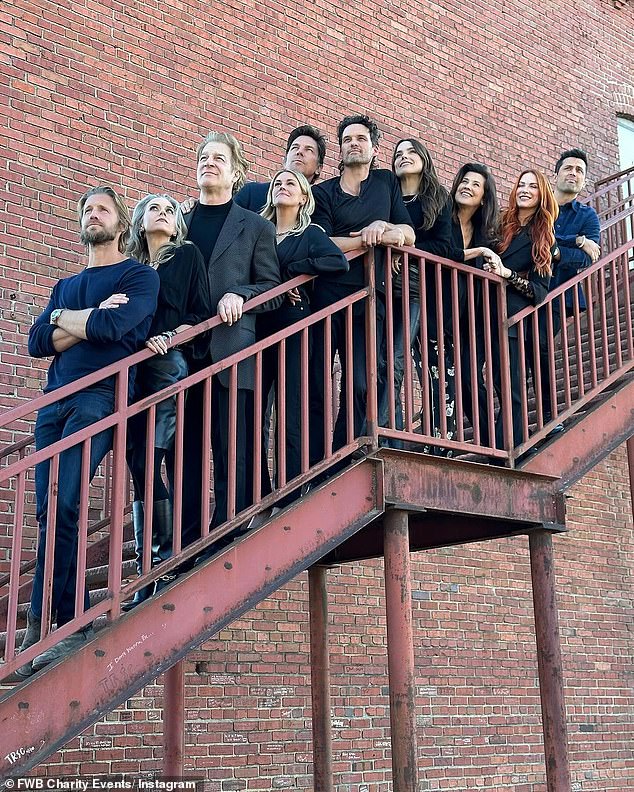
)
(470, 342)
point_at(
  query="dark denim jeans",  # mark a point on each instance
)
(53, 423)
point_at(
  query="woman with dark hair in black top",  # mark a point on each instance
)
(157, 238)
(429, 208)
(474, 228)
(302, 249)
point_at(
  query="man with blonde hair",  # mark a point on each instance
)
(239, 250)
(93, 319)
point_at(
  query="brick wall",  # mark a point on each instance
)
(122, 93)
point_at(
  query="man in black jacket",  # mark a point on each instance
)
(239, 250)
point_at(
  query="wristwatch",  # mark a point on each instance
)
(55, 314)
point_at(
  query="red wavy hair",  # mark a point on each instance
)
(541, 224)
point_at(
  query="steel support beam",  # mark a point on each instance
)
(174, 720)
(630, 462)
(320, 680)
(551, 681)
(400, 651)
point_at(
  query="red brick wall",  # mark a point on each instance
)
(122, 93)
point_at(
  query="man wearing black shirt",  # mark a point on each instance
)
(361, 208)
(305, 153)
(239, 250)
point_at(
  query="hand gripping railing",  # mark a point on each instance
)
(463, 351)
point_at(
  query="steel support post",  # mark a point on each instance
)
(400, 650)
(174, 720)
(320, 680)
(551, 681)
(630, 463)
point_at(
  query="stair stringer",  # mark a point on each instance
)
(40, 716)
(605, 426)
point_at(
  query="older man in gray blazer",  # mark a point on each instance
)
(239, 249)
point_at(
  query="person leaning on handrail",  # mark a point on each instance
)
(93, 319)
(360, 209)
(157, 238)
(474, 229)
(302, 249)
(524, 258)
(427, 203)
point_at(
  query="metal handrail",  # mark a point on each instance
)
(491, 287)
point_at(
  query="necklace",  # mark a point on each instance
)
(154, 264)
(407, 199)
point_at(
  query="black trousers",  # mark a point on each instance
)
(268, 324)
(326, 294)
(517, 383)
(193, 453)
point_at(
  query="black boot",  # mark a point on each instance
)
(163, 532)
(138, 521)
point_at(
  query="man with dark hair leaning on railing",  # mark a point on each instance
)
(359, 209)
(577, 233)
(238, 248)
(92, 320)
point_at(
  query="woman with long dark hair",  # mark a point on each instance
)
(157, 239)
(302, 249)
(427, 202)
(526, 251)
(474, 230)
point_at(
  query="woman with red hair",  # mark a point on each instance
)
(524, 258)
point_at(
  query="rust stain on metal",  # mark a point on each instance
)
(169, 606)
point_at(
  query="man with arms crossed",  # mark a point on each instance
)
(93, 319)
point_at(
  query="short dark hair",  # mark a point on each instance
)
(366, 121)
(577, 153)
(310, 131)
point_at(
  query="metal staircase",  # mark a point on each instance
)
(386, 503)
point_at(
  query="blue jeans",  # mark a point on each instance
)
(55, 422)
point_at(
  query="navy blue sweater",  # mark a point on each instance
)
(112, 333)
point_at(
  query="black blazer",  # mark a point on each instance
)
(244, 262)
(519, 257)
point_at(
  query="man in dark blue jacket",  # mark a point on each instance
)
(93, 319)
(577, 234)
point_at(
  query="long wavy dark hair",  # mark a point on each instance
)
(433, 196)
(486, 220)
(542, 223)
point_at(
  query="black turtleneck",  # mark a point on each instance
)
(206, 225)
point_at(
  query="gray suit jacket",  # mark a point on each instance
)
(243, 261)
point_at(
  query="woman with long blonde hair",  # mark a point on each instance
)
(302, 249)
(524, 258)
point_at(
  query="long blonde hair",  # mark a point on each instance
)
(138, 247)
(305, 212)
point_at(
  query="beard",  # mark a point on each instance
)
(98, 236)
(357, 158)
